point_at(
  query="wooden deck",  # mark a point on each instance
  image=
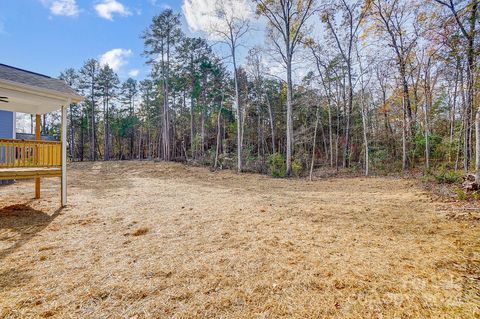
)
(22, 159)
(26, 153)
(29, 172)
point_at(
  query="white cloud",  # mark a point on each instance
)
(67, 8)
(107, 8)
(134, 73)
(161, 5)
(202, 15)
(116, 58)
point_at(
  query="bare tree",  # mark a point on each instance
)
(364, 110)
(394, 18)
(466, 19)
(314, 148)
(229, 27)
(287, 19)
(353, 16)
(324, 70)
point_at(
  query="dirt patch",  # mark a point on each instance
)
(140, 231)
(219, 244)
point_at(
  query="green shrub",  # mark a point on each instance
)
(445, 176)
(227, 162)
(418, 143)
(461, 195)
(428, 177)
(378, 156)
(297, 168)
(196, 142)
(476, 195)
(276, 165)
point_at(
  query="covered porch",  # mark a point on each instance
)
(32, 93)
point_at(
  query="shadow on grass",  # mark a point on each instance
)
(19, 223)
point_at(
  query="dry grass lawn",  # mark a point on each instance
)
(158, 240)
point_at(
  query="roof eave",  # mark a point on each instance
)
(75, 98)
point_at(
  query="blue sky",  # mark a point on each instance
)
(48, 36)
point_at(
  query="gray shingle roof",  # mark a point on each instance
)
(13, 74)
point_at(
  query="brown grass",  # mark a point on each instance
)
(233, 246)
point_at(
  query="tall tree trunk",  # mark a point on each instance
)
(192, 127)
(217, 149)
(202, 120)
(346, 159)
(92, 137)
(365, 137)
(337, 133)
(132, 129)
(202, 131)
(324, 141)
(106, 147)
(364, 113)
(404, 137)
(453, 108)
(289, 112)
(477, 145)
(364, 125)
(239, 109)
(82, 138)
(259, 131)
(459, 143)
(407, 112)
(272, 124)
(314, 143)
(428, 100)
(72, 134)
(330, 133)
(466, 124)
(166, 112)
(471, 83)
(427, 133)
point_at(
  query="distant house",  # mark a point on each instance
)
(31, 137)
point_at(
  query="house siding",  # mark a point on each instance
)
(7, 130)
(6, 124)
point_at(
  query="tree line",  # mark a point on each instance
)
(372, 85)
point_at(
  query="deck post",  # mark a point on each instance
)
(38, 137)
(64, 152)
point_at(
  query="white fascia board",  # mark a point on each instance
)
(39, 91)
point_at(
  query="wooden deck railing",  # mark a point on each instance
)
(30, 153)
